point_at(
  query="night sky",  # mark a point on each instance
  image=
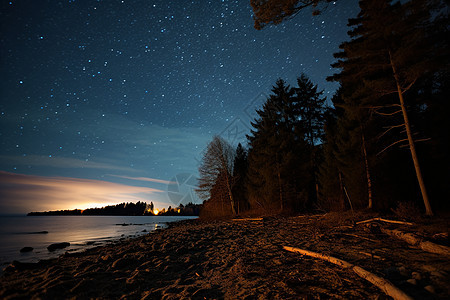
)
(111, 101)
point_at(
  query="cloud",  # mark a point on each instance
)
(21, 193)
(60, 162)
(144, 179)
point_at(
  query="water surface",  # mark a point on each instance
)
(81, 232)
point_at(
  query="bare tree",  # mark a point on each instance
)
(216, 170)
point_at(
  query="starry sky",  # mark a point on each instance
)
(103, 102)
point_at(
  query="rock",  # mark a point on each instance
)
(106, 257)
(416, 275)
(26, 249)
(412, 281)
(56, 246)
(430, 289)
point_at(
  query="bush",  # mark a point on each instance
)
(408, 211)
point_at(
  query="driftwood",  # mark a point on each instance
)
(412, 239)
(360, 237)
(371, 255)
(248, 219)
(384, 220)
(383, 284)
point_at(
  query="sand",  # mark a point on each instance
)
(236, 260)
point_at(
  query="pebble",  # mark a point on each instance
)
(412, 281)
(416, 275)
(430, 289)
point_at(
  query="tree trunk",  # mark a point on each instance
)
(383, 284)
(233, 209)
(366, 162)
(341, 186)
(412, 147)
(279, 184)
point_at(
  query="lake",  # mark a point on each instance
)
(81, 232)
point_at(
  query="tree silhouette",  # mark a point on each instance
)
(279, 164)
(267, 12)
(240, 175)
(389, 52)
(216, 171)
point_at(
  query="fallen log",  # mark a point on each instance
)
(384, 220)
(387, 287)
(414, 240)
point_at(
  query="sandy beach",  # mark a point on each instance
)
(241, 259)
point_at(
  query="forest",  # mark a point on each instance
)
(380, 143)
(126, 209)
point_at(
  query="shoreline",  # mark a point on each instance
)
(195, 259)
(81, 233)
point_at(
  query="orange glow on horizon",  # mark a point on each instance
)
(155, 212)
(20, 193)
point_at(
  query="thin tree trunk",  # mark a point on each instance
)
(233, 209)
(341, 185)
(366, 162)
(227, 178)
(279, 183)
(412, 147)
(313, 162)
(238, 208)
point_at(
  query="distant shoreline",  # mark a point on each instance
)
(126, 209)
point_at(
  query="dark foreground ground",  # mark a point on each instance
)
(241, 260)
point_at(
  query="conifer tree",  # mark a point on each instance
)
(276, 155)
(388, 53)
(239, 177)
(311, 108)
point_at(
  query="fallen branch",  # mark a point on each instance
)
(372, 255)
(311, 216)
(412, 239)
(358, 236)
(384, 220)
(248, 219)
(344, 227)
(331, 259)
(383, 284)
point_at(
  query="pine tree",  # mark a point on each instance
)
(239, 176)
(310, 107)
(388, 53)
(276, 155)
